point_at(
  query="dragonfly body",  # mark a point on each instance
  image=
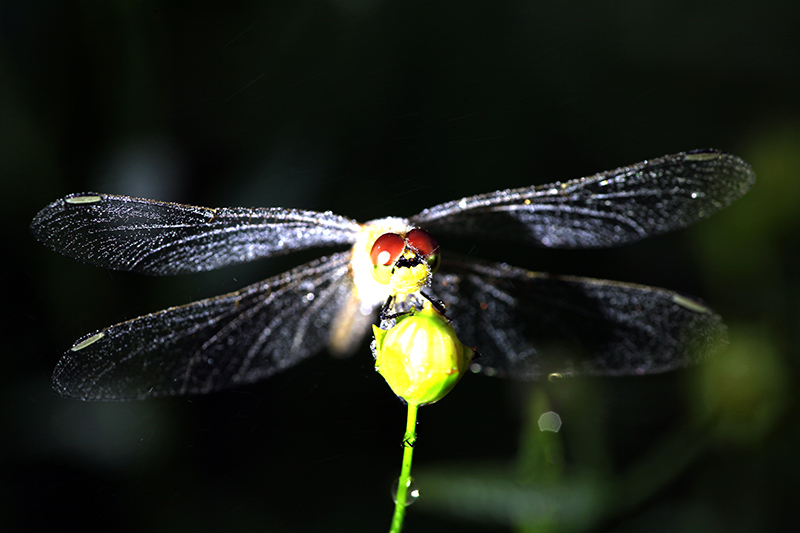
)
(524, 324)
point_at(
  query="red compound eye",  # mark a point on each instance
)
(387, 249)
(422, 241)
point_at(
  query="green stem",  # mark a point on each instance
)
(404, 482)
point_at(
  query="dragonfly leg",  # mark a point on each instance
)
(385, 309)
(437, 304)
(396, 315)
(385, 315)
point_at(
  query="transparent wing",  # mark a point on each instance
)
(212, 344)
(526, 325)
(161, 238)
(607, 209)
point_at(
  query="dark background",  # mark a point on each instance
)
(369, 109)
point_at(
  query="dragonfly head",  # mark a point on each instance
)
(405, 262)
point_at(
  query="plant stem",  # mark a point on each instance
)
(404, 482)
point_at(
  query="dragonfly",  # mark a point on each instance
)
(525, 325)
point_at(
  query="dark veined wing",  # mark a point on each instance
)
(526, 325)
(212, 344)
(607, 209)
(162, 238)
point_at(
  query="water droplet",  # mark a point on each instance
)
(87, 342)
(310, 296)
(702, 156)
(412, 492)
(550, 421)
(91, 199)
(689, 304)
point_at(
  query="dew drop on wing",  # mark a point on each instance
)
(82, 199)
(91, 340)
(702, 156)
(689, 304)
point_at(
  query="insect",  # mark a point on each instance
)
(524, 324)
